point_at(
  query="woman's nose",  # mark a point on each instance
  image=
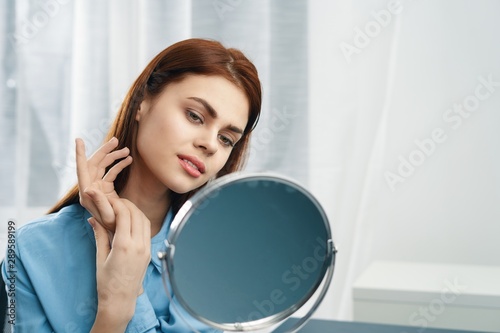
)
(207, 142)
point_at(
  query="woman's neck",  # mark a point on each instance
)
(151, 197)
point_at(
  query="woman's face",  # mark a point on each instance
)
(186, 134)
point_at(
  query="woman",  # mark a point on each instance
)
(186, 120)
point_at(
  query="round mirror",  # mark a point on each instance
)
(247, 251)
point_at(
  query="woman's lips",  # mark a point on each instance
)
(192, 165)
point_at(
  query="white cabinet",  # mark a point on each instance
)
(424, 295)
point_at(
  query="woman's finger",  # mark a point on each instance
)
(122, 218)
(111, 157)
(111, 175)
(138, 222)
(104, 153)
(141, 235)
(104, 150)
(103, 247)
(82, 171)
(104, 211)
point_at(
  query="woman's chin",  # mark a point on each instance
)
(184, 187)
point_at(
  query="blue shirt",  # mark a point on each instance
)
(55, 279)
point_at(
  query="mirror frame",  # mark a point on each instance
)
(210, 191)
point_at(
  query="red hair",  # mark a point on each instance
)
(192, 56)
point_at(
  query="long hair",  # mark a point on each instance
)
(192, 56)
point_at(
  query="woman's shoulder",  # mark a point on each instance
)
(71, 213)
(53, 227)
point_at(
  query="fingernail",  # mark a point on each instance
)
(90, 220)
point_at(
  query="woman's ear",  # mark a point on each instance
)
(138, 113)
(143, 108)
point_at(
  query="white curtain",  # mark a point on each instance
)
(68, 65)
(360, 88)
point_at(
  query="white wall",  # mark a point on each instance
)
(370, 108)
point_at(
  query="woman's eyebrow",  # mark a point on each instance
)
(211, 111)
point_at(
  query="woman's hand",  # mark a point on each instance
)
(120, 266)
(95, 186)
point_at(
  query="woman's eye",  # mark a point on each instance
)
(194, 117)
(226, 141)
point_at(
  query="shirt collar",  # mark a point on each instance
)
(158, 240)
